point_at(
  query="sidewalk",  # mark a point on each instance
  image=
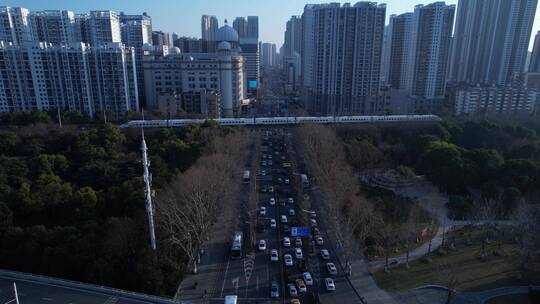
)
(361, 279)
(211, 269)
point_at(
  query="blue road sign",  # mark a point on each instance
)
(300, 231)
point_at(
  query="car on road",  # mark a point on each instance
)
(307, 278)
(280, 180)
(262, 245)
(274, 257)
(264, 156)
(295, 301)
(286, 242)
(316, 231)
(274, 290)
(287, 181)
(325, 254)
(298, 253)
(263, 189)
(272, 201)
(286, 228)
(263, 172)
(284, 219)
(273, 224)
(329, 284)
(301, 285)
(292, 212)
(288, 260)
(270, 162)
(292, 290)
(271, 189)
(298, 242)
(290, 200)
(319, 240)
(331, 268)
(313, 222)
(262, 211)
(312, 214)
(263, 163)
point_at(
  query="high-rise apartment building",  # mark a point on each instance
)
(534, 66)
(399, 51)
(137, 31)
(430, 50)
(490, 42)
(15, 25)
(345, 44)
(57, 27)
(293, 36)
(252, 27)
(209, 26)
(104, 27)
(268, 54)
(240, 25)
(160, 38)
(75, 77)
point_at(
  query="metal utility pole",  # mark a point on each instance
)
(59, 116)
(148, 192)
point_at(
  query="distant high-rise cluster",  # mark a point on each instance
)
(209, 27)
(346, 61)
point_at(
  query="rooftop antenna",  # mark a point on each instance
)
(147, 189)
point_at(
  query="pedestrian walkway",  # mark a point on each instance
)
(211, 269)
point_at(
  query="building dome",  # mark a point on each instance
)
(175, 51)
(227, 33)
(147, 47)
(224, 46)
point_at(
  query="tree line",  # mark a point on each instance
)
(72, 203)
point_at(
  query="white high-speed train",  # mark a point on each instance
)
(280, 120)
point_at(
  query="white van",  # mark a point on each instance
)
(231, 299)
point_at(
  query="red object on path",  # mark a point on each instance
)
(424, 233)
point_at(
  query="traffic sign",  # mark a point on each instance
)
(300, 231)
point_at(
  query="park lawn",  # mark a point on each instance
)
(473, 274)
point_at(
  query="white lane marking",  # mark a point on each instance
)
(235, 284)
(225, 277)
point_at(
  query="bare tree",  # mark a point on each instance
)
(189, 206)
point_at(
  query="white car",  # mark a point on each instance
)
(287, 181)
(274, 257)
(286, 242)
(319, 240)
(284, 219)
(274, 290)
(288, 260)
(298, 242)
(292, 290)
(313, 222)
(271, 189)
(263, 172)
(308, 279)
(272, 201)
(262, 245)
(273, 224)
(329, 283)
(325, 254)
(298, 253)
(290, 200)
(331, 268)
(291, 212)
(262, 211)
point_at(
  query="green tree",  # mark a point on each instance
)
(443, 164)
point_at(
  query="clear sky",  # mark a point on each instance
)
(183, 16)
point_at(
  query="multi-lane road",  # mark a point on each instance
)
(279, 189)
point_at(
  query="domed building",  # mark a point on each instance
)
(228, 34)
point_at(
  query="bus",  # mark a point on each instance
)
(232, 299)
(236, 250)
(246, 177)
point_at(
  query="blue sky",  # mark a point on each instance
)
(183, 16)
